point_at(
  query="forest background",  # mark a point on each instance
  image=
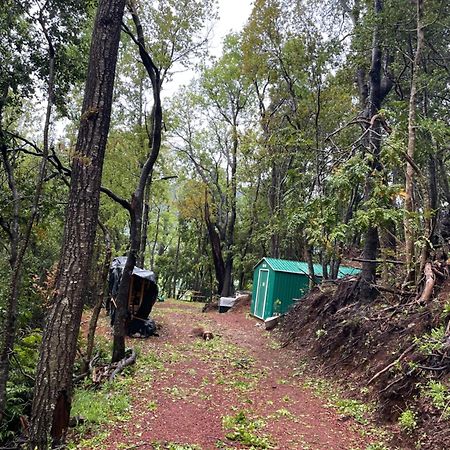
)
(319, 134)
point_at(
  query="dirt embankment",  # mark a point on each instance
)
(393, 350)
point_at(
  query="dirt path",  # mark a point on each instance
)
(239, 390)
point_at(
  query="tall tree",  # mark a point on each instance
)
(411, 150)
(53, 387)
(178, 43)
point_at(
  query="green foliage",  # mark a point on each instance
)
(439, 394)
(377, 446)
(446, 310)
(408, 420)
(110, 403)
(273, 131)
(431, 342)
(353, 408)
(20, 386)
(321, 332)
(246, 431)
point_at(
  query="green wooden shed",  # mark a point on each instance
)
(278, 283)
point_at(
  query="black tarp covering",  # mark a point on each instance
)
(143, 295)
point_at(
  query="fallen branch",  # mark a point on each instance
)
(392, 364)
(438, 369)
(125, 362)
(80, 377)
(430, 280)
(392, 383)
(378, 261)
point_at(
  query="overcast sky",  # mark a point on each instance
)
(233, 15)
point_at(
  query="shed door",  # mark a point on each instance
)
(261, 293)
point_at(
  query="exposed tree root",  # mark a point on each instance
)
(392, 364)
(107, 372)
(430, 280)
(125, 362)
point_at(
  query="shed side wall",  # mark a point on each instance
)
(286, 287)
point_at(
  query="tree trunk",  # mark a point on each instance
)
(309, 259)
(376, 96)
(145, 220)
(155, 242)
(214, 239)
(9, 323)
(121, 317)
(412, 123)
(227, 288)
(137, 200)
(254, 220)
(53, 387)
(176, 263)
(102, 291)
(275, 234)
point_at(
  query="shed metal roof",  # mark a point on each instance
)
(301, 268)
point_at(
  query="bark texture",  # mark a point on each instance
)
(412, 123)
(53, 388)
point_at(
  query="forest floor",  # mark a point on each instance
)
(239, 390)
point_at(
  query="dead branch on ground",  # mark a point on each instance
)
(392, 364)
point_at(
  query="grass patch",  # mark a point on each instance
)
(150, 361)
(355, 409)
(246, 431)
(110, 403)
(94, 442)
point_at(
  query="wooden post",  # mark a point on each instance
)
(142, 292)
(130, 296)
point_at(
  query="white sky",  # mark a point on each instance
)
(233, 15)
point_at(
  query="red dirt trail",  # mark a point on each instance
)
(184, 387)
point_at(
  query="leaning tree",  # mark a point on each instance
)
(53, 386)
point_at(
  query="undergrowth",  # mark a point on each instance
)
(246, 431)
(19, 389)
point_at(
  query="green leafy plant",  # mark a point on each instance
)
(377, 446)
(446, 310)
(244, 430)
(439, 394)
(431, 342)
(353, 408)
(19, 388)
(408, 420)
(321, 332)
